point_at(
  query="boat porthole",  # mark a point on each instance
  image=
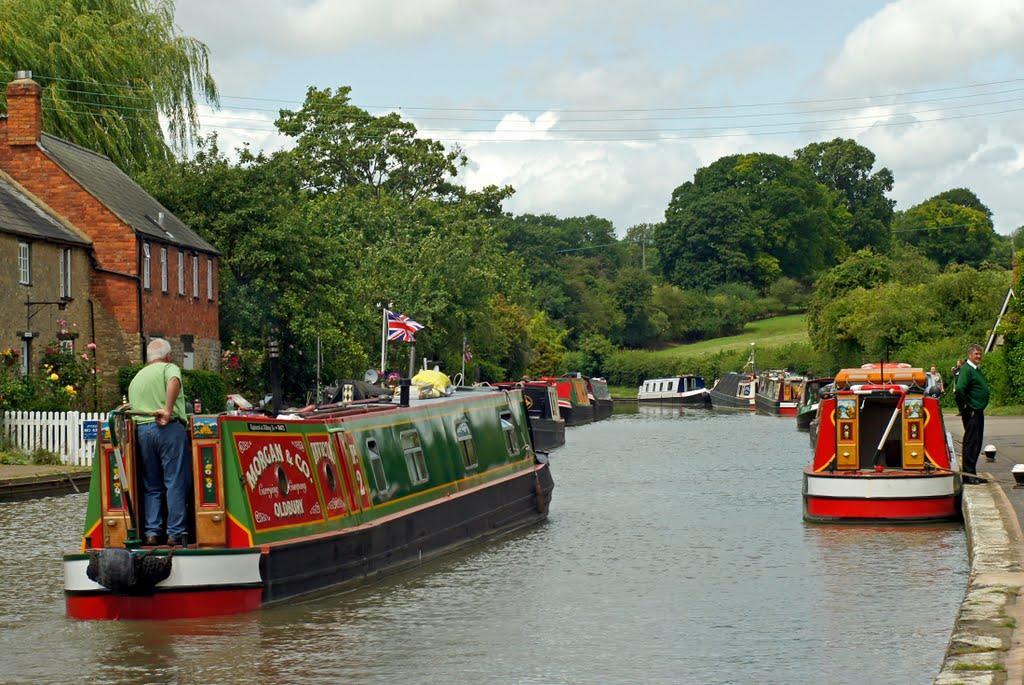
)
(332, 482)
(282, 481)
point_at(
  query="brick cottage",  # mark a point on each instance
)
(85, 245)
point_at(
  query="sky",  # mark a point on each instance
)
(604, 107)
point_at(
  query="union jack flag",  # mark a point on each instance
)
(402, 328)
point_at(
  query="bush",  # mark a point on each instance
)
(208, 386)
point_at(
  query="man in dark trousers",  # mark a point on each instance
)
(972, 396)
(156, 398)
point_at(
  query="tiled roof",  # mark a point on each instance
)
(120, 194)
(23, 217)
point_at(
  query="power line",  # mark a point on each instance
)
(660, 138)
(571, 120)
(603, 110)
(616, 130)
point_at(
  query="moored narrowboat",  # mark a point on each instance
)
(778, 393)
(687, 389)
(573, 402)
(301, 503)
(882, 452)
(601, 398)
(735, 391)
(547, 427)
(807, 405)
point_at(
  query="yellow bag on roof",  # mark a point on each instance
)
(433, 381)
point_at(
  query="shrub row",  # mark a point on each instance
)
(208, 386)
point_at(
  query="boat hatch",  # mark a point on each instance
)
(861, 421)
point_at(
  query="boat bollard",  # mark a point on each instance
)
(990, 452)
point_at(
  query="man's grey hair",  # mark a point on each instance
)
(157, 349)
(974, 346)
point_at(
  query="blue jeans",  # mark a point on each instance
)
(166, 470)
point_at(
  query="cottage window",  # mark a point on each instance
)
(181, 272)
(163, 269)
(65, 273)
(195, 276)
(67, 345)
(509, 429)
(24, 263)
(465, 440)
(377, 467)
(146, 254)
(414, 460)
(209, 279)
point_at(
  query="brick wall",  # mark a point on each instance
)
(115, 248)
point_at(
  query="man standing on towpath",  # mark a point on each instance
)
(159, 408)
(972, 397)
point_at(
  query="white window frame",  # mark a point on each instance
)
(209, 279)
(26, 348)
(466, 447)
(195, 276)
(146, 260)
(163, 268)
(67, 345)
(65, 273)
(415, 461)
(380, 478)
(508, 427)
(181, 271)
(24, 262)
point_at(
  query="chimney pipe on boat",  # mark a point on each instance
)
(403, 393)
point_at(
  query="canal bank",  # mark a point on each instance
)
(26, 481)
(987, 643)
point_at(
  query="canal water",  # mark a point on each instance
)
(674, 553)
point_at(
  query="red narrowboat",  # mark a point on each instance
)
(778, 393)
(882, 453)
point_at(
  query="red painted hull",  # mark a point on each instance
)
(880, 510)
(164, 605)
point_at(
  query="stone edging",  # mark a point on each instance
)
(986, 643)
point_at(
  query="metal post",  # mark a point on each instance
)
(274, 354)
(463, 358)
(383, 337)
(412, 360)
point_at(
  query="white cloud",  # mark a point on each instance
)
(926, 41)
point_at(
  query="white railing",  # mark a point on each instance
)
(71, 434)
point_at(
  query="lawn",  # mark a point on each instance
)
(779, 330)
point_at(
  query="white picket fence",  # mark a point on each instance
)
(61, 432)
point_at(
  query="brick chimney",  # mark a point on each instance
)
(24, 110)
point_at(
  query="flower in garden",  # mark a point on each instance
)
(91, 346)
(70, 389)
(85, 356)
(54, 377)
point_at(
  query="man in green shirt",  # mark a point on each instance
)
(972, 395)
(163, 445)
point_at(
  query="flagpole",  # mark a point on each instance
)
(463, 359)
(383, 335)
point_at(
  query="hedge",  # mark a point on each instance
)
(208, 386)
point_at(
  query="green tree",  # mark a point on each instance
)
(846, 167)
(750, 218)
(946, 232)
(109, 71)
(340, 145)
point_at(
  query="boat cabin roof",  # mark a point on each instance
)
(880, 374)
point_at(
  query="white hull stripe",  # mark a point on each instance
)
(671, 395)
(866, 487)
(207, 570)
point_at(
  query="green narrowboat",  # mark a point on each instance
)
(293, 504)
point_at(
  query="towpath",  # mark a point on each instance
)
(987, 645)
(18, 481)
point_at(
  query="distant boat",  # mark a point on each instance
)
(735, 391)
(601, 398)
(573, 402)
(882, 452)
(778, 393)
(547, 427)
(686, 389)
(807, 405)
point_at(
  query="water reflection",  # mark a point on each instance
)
(675, 552)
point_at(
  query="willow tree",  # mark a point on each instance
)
(110, 71)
